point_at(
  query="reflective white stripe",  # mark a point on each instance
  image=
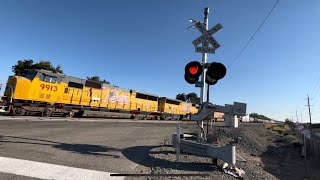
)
(49, 171)
(301, 128)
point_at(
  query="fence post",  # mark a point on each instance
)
(178, 143)
(304, 150)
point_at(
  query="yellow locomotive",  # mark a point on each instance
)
(46, 87)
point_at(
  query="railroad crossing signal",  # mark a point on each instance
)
(206, 38)
(209, 45)
(194, 69)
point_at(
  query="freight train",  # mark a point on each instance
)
(39, 88)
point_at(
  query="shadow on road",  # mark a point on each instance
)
(153, 156)
(85, 149)
(1, 137)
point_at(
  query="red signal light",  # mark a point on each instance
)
(193, 70)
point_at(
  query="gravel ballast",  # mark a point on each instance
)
(266, 157)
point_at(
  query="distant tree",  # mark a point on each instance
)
(47, 66)
(182, 97)
(259, 116)
(97, 79)
(191, 97)
(22, 65)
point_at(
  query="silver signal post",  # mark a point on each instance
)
(204, 59)
(209, 45)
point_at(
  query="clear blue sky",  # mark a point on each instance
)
(144, 45)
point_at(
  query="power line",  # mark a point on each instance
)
(253, 34)
(315, 102)
(314, 94)
(311, 94)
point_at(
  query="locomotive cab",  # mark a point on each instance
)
(37, 85)
(17, 87)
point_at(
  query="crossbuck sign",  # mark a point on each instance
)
(206, 38)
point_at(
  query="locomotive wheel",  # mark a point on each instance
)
(46, 113)
(40, 114)
(17, 112)
(69, 114)
(168, 118)
(79, 114)
(21, 112)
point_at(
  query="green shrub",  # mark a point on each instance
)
(289, 138)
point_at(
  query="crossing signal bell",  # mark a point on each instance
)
(192, 71)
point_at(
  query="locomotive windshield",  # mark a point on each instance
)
(48, 78)
(31, 74)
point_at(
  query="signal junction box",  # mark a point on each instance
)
(208, 109)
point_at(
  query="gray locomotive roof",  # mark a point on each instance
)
(50, 73)
(67, 79)
(106, 85)
(172, 99)
(117, 88)
(149, 94)
(74, 79)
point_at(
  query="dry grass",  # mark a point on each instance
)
(280, 128)
(269, 126)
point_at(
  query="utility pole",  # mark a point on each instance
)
(309, 113)
(297, 116)
(301, 119)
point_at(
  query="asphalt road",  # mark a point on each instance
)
(103, 145)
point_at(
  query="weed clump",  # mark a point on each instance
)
(280, 128)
